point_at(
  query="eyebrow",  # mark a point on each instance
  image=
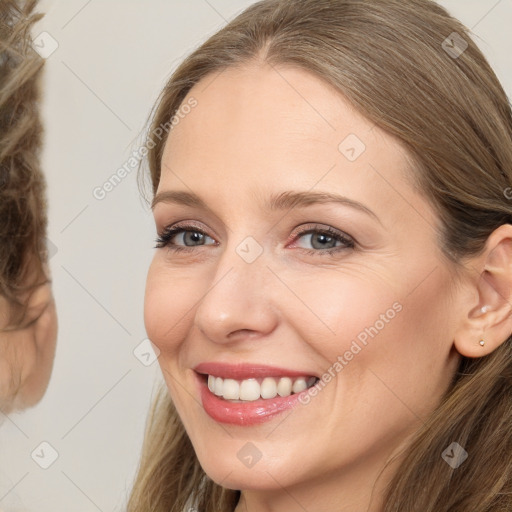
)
(282, 201)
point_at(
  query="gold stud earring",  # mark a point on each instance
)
(482, 343)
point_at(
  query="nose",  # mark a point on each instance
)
(239, 302)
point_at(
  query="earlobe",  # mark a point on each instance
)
(489, 324)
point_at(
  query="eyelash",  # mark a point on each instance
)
(165, 237)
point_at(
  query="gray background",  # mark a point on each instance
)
(100, 84)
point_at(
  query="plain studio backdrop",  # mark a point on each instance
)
(106, 63)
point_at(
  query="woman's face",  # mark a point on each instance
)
(252, 287)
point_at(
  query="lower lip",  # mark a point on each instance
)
(245, 413)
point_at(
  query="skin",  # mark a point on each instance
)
(27, 351)
(258, 131)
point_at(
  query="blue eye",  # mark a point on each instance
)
(324, 238)
(191, 237)
(191, 234)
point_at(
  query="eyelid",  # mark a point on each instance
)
(184, 225)
(300, 230)
(315, 227)
(171, 231)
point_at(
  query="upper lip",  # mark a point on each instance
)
(241, 371)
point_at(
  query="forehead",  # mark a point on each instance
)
(258, 106)
(262, 128)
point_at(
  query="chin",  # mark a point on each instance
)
(241, 478)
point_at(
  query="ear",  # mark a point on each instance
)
(490, 319)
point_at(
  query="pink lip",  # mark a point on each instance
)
(246, 371)
(247, 413)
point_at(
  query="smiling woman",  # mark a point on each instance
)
(332, 172)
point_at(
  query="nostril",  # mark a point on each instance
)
(243, 333)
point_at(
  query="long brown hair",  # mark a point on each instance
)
(395, 62)
(23, 218)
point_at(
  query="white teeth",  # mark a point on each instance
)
(268, 388)
(231, 389)
(251, 389)
(284, 386)
(299, 385)
(219, 386)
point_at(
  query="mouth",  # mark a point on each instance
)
(249, 394)
(249, 390)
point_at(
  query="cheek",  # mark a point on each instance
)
(357, 323)
(338, 307)
(168, 302)
(399, 359)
